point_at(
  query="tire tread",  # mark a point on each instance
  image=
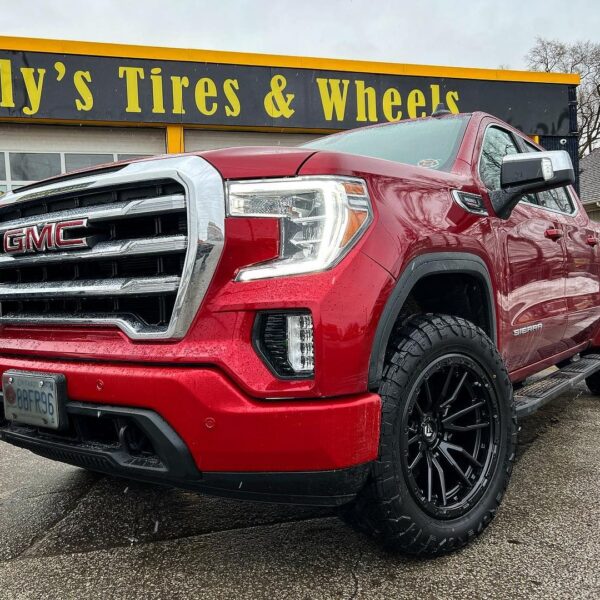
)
(379, 509)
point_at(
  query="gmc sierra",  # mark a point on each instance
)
(350, 323)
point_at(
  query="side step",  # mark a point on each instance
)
(531, 397)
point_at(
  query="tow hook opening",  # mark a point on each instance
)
(133, 440)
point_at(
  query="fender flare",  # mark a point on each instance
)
(416, 269)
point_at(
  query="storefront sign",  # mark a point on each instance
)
(39, 85)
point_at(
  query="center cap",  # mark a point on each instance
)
(429, 430)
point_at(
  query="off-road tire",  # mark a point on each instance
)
(387, 508)
(593, 383)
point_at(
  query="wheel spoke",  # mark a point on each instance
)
(416, 460)
(464, 453)
(429, 478)
(462, 412)
(428, 394)
(413, 439)
(447, 382)
(460, 428)
(454, 464)
(419, 410)
(442, 478)
(454, 395)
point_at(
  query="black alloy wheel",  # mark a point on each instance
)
(447, 439)
(450, 437)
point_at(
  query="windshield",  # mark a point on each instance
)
(431, 143)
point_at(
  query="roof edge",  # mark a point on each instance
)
(275, 60)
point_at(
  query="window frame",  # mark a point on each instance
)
(520, 141)
(524, 143)
(487, 128)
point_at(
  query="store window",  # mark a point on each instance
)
(21, 168)
(131, 156)
(32, 166)
(74, 162)
(3, 178)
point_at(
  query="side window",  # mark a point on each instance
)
(557, 199)
(496, 144)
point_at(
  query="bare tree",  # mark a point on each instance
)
(579, 57)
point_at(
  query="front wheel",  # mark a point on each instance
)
(447, 442)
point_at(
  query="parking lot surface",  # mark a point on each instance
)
(66, 533)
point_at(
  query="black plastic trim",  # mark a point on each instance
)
(422, 266)
(314, 488)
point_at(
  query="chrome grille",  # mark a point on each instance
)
(157, 231)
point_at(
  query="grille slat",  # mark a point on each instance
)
(108, 287)
(106, 212)
(155, 235)
(102, 250)
(131, 273)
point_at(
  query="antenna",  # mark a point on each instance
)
(440, 110)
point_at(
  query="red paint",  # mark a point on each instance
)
(215, 390)
(225, 429)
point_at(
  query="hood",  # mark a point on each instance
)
(257, 161)
(233, 163)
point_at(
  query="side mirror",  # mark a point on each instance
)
(527, 173)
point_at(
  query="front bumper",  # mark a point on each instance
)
(208, 435)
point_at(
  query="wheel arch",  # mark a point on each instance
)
(417, 270)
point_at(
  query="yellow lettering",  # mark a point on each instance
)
(366, 102)
(332, 97)
(230, 86)
(435, 95)
(451, 102)
(33, 88)
(81, 80)
(206, 88)
(178, 83)
(158, 104)
(415, 100)
(6, 88)
(132, 76)
(392, 99)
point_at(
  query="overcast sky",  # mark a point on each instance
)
(479, 33)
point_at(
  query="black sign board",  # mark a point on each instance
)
(40, 85)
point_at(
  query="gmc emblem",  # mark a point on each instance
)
(51, 236)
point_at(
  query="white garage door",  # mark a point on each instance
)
(32, 152)
(196, 139)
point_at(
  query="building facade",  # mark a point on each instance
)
(589, 178)
(66, 105)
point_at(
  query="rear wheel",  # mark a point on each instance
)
(593, 383)
(447, 441)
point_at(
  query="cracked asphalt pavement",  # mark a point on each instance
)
(66, 533)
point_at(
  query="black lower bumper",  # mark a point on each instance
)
(164, 459)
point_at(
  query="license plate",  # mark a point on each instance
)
(34, 398)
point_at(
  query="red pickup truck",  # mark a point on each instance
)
(350, 323)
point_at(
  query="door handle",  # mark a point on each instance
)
(592, 240)
(553, 233)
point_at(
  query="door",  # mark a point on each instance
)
(530, 246)
(580, 241)
(583, 276)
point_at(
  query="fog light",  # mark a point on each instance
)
(285, 341)
(300, 343)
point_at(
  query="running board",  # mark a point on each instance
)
(533, 396)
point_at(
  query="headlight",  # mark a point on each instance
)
(321, 218)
